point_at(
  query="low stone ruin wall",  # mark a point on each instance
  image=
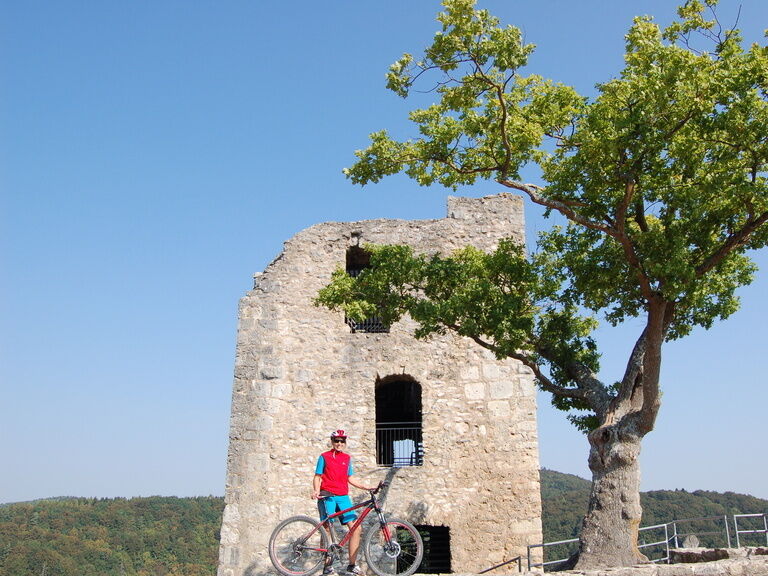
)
(692, 562)
(698, 555)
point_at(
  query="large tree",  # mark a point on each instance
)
(661, 178)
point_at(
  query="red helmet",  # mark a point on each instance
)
(338, 434)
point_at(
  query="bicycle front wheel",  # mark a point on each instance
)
(395, 549)
(298, 546)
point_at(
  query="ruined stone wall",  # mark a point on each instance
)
(300, 373)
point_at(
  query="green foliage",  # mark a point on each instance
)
(662, 178)
(93, 537)
(684, 133)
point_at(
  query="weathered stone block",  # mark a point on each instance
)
(475, 391)
(260, 423)
(499, 409)
(281, 390)
(503, 389)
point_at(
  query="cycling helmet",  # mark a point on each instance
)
(338, 434)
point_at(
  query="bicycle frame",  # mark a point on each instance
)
(369, 505)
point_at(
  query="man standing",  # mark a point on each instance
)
(333, 476)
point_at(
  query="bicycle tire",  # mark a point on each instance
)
(294, 544)
(402, 558)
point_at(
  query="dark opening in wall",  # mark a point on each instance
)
(357, 260)
(437, 549)
(399, 422)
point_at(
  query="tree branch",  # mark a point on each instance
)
(626, 241)
(563, 207)
(590, 389)
(734, 241)
(633, 371)
(660, 314)
(578, 393)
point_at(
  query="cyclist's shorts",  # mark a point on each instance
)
(332, 504)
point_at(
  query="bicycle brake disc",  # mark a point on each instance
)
(392, 549)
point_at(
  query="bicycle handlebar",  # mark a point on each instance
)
(378, 488)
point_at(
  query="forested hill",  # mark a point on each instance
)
(179, 536)
(122, 537)
(565, 498)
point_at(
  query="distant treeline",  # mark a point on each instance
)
(565, 498)
(180, 536)
(99, 537)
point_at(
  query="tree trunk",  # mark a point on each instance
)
(609, 531)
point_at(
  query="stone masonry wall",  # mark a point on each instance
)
(300, 373)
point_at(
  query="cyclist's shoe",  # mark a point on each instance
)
(329, 571)
(353, 570)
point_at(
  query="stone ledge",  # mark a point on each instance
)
(751, 566)
(740, 562)
(696, 555)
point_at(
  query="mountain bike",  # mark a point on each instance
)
(300, 545)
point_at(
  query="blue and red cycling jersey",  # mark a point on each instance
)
(335, 469)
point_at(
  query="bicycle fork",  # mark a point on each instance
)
(391, 545)
(383, 524)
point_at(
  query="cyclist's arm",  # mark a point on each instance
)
(316, 486)
(356, 484)
(318, 478)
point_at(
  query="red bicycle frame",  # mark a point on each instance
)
(368, 505)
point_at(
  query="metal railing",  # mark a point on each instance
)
(543, 564)
(643, 545)
(372, 325)
(764, 529)
(647, 546)
(668, 541)
(399, 444)
(678, 536)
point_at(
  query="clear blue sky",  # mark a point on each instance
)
(154, 155)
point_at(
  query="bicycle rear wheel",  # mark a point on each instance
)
(297, 546)
(400, 555)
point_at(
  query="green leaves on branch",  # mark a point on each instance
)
(489, 121)
(384, 290)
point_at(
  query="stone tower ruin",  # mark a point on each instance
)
(451, 427)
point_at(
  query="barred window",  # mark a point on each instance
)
(357, 260)
(399, 439)
(437, 549)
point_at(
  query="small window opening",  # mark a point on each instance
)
(398, 422)
(437, 549)
(357, 260)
